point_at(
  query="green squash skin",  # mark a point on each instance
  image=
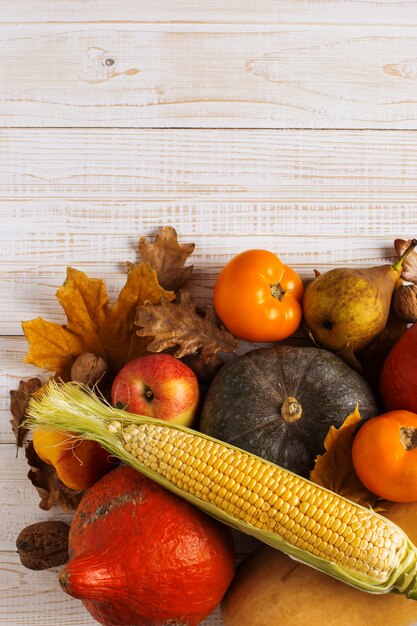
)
(243, 404)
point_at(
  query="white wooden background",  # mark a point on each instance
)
(286, 125)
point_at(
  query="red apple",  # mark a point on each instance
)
(158, 385)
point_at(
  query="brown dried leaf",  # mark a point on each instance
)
(179, 324)
(18, 404)
(409, 271)
(167, 257)
(51, 490)
(334, 469)
(93, 325)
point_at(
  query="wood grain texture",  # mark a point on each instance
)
(13, 369)
(35, 598)
(180, 75)
(19, 498)
(124, 168)
(370, 12)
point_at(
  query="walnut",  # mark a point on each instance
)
(89, 369)
(43, 545)
(404, 303)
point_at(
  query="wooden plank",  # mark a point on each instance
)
(389, 12)
(19, 499)
(182, 75)
(35, 598)
(12, 370)
(124, 168)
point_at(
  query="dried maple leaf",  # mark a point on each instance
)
(409, 270)
(93, 325)
(334, 469)
(167, 257)
(51, 490)
(180, 324)
(18, 404)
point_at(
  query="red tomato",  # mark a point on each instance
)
(384, 455)
(258, 297)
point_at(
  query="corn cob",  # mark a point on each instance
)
(311, 524)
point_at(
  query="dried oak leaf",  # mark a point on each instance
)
(167, 257)
(180, 324)
(409, 270)
(93, 325)
(51, 490)
(334, 469)
(18, 404)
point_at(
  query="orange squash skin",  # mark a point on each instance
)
(139, 555)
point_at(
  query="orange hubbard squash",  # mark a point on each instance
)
(141, 555)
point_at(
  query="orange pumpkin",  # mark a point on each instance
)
(141, 555)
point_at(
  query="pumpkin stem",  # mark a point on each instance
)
(408, 437)
(291, 410)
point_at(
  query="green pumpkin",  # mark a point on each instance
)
(279, 403)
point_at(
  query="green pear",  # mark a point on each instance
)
(345, 309)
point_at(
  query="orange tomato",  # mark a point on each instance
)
(384, 455)
(258, 297)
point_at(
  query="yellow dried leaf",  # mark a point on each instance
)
(93, 325)
(334, 469)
